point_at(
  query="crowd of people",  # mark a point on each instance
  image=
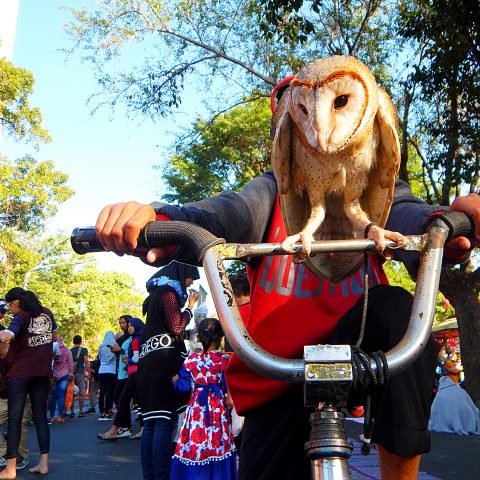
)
(180, 397)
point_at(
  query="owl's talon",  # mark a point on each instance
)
(379, 235)
(305, 239)
(299, 257)
(289, 243)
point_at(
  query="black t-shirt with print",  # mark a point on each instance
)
(30, 353)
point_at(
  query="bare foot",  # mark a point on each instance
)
(9, 473)
(41, 469)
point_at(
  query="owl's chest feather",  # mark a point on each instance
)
(331, 172)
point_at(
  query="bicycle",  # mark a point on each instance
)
(327, 371)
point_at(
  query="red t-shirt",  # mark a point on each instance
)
(290, 308)
(30, 353)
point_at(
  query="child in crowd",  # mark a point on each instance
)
(206, 449)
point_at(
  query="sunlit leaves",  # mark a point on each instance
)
(18, 118)
(224, 154)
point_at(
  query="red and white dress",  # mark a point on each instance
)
(206, 449)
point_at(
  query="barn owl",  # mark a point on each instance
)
(335, 155)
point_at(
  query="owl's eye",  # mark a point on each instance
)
(340, 102)
(303, 108)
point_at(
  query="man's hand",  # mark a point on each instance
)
(470, 205)
(119, 225)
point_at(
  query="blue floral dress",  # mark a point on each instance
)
(205, 450)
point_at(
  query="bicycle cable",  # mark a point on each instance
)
(366, 378)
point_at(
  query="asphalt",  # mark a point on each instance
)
(76, 454)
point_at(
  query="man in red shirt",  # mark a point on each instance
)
(290, 308)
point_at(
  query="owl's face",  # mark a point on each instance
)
(332, 107)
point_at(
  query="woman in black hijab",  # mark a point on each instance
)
(161, 356)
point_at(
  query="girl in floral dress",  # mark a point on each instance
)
(205, 450)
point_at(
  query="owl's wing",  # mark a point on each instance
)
(281, 133)
(378, 197)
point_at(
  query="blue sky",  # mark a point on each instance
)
(108, 156)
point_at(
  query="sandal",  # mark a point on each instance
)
(51, 421)
(81, 415)
(60, 420)
(106, 436)
(72, 415)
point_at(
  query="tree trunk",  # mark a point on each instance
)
(403, 172)
(462, 290)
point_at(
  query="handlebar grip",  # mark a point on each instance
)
(155, 234)
(458, 223)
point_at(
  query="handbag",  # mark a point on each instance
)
(79, 351)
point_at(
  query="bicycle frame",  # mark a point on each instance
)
(322, 366)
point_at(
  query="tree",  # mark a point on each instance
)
(86, 301)
(445, 133)
(17, 118)
(226, 153)
(30, 192)
(208, 44)
(214, 47)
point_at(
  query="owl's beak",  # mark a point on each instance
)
(322, 142)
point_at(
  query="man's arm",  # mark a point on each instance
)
(87, 361)
(409, 215)
(235, 216)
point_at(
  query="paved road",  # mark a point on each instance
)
(452, 457)
(77, 455)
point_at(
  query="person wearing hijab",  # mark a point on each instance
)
(29, 357)
(106, 376)
(62, 373)
(161, 356)
(122, 425)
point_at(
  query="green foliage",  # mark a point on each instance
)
(208, 44)
(447, 73)
(234, 267)
(17, 118)
(218, 47)
(397, 275)
(86, 301)
(226, 153)
(30, 192)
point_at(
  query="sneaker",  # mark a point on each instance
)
(101, 417)
(22, 463)
(108, 417)
(91, 411)
(124, 433)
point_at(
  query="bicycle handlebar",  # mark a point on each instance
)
(459, 224)
(154, 234)
(441, 227)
